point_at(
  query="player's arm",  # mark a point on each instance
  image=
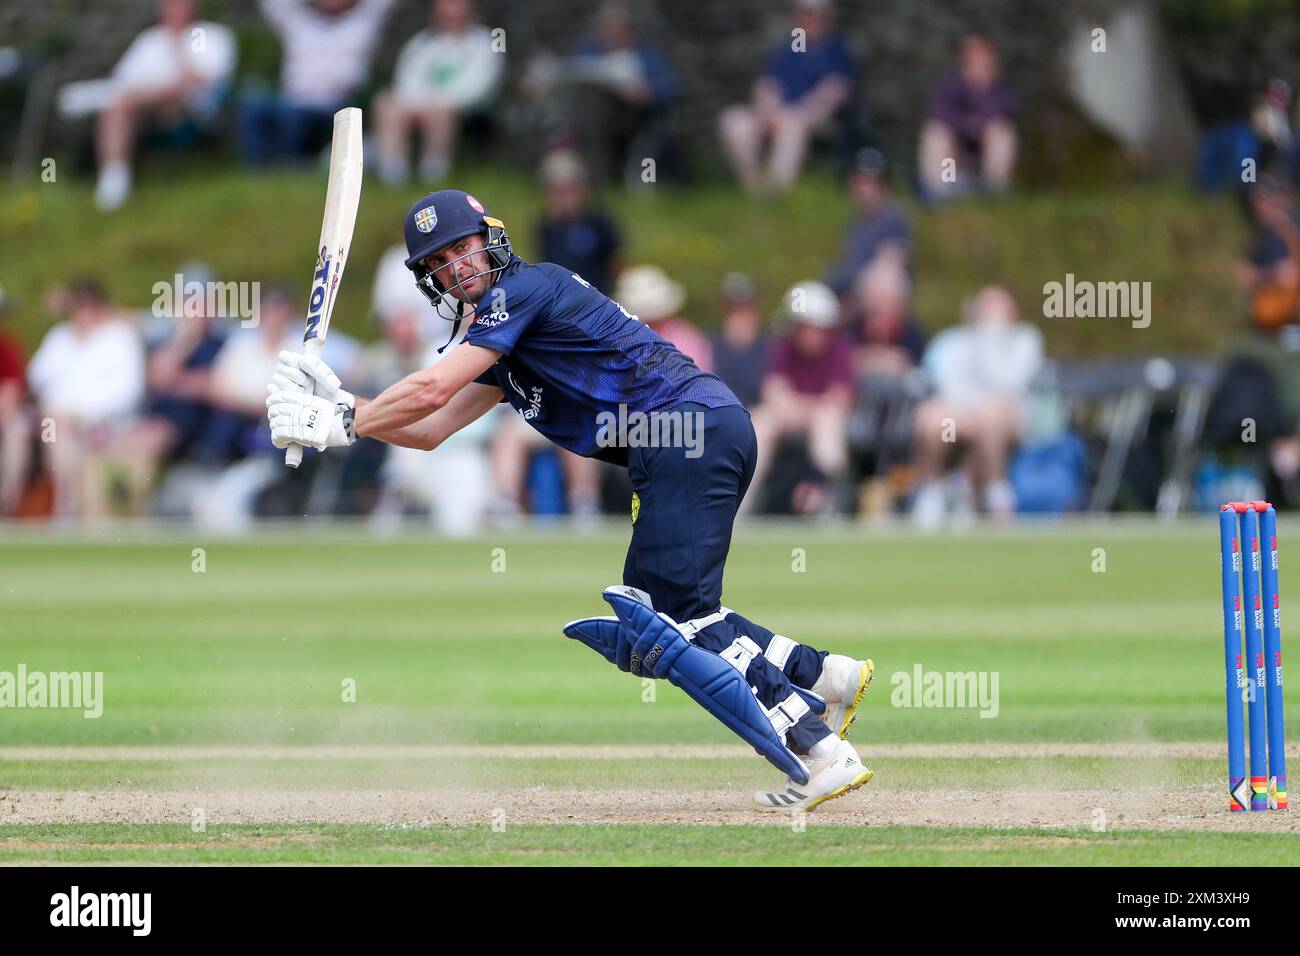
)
(422, 393)
(307, 405)
(466, 407)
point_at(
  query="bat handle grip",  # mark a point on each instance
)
(293, 453)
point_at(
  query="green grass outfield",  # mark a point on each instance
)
(215, 684)
(635, 845)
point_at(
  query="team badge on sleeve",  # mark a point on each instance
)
(426, 219)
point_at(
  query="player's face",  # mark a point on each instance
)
(462, 268)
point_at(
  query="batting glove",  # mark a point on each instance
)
(309, 420)
(308, 375)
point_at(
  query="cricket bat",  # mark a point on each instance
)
(342, 197)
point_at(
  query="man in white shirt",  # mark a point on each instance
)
(88, 378)
(177, 68)
(981, 370)
(327, 47)
(443, 73)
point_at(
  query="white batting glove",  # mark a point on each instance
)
(308, 375)
(309, 420)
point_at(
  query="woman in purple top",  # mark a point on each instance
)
(968, 139)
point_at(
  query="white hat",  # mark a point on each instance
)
(562, 166)
(649, 294)
(812, 303)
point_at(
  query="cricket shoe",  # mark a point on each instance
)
(842, 684)
(830, 777)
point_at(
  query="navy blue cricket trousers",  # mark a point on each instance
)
(684, 508)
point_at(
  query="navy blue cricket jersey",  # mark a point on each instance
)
(569, 352)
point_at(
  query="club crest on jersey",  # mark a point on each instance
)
(426, 220)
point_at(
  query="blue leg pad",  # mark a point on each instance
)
(706, 678)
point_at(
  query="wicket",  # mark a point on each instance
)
(1254, 680)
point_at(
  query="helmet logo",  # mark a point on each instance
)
(426, 219)
(474, 204)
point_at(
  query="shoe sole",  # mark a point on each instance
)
(858, 781)
(867, 671)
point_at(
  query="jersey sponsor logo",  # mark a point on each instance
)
(491, 320)
(532, 398)
(426, 220)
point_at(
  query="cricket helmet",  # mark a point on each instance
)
(438, 220)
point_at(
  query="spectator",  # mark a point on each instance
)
(240, 371)
(621, 89)
(887, 340)
(87, 377)
(1271, 271)
(394, 294)
(656, 300)
(327, 46)
(444, 73)
(969, 121)
(511, 447)
(396, 355)
(808, 389)
(15, 429)
(572, 232)
(177, 413)
(236, 441)
(981, 371)
(808, 79)
(880, 226)
(1272, 126)
(740, 347)
(453, 484)
(887, 347)
(175, 71)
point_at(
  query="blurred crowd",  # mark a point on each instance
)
(858, 410)
(611, 98)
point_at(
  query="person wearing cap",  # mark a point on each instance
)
(809, 386)
(579, 367)
(879, 227)
(572, 232)
(808, 78)
(655, 299)
(740, 346)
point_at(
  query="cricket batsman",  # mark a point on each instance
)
(570, 361)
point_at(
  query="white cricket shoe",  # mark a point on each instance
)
(842, 684)
(830, 777)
